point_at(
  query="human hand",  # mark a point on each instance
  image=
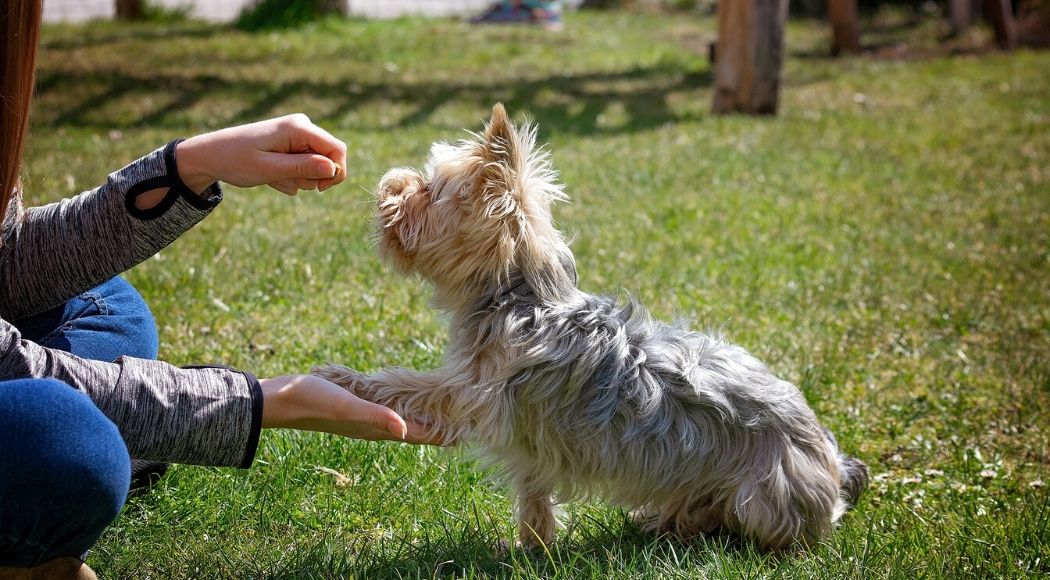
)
(287, 153)
(310, 403)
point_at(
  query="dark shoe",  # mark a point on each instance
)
(144, 474)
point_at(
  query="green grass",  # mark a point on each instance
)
(883, 243)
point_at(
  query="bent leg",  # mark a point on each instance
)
(65, 472)
(107, 322)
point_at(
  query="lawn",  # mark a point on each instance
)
(884, 243)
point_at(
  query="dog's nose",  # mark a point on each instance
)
(396, 181)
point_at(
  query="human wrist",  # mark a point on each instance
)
(192, 161)
(291, 402)
(276, 393)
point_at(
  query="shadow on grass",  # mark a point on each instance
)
(571, 103)
(896, 51)
(131, 32)
(592, 552)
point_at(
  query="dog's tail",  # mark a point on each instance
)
(855, 478)
(853, 473)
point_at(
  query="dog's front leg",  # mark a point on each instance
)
(428, 398)
(345, 377)
(534, 512)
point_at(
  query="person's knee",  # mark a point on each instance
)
(67, 478)
(65, 440)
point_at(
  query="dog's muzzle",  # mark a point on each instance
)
(396, 189)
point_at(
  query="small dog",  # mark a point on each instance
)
(571, 395)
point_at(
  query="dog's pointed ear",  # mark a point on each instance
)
(501, 143)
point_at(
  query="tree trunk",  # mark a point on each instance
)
(129, 9)
(1001, 15)
(749, 56)
(960, 15)
(845, 27)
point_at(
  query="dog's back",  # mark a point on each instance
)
(608, 402)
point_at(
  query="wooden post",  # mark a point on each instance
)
(1002, 17)
(334, 7)
(845, 27)
(129, 9)
(750, 54)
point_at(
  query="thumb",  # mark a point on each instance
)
(299, 166)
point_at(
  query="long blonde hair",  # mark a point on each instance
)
(19, 33)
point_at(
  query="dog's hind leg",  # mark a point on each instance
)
(782, 514)
(684, 519)
(691, 522)
(646, 517)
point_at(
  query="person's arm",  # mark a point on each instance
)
(202, 415)
(64, 248)
(311, 403)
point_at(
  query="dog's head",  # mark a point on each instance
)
(478, 215)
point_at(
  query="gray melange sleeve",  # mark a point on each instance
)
(62, 249)
(204, 416)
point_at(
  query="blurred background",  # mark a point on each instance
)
(227, 10)
(857, 191)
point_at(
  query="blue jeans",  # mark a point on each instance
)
(64, 468)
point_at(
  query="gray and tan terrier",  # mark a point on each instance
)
(572, 395)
